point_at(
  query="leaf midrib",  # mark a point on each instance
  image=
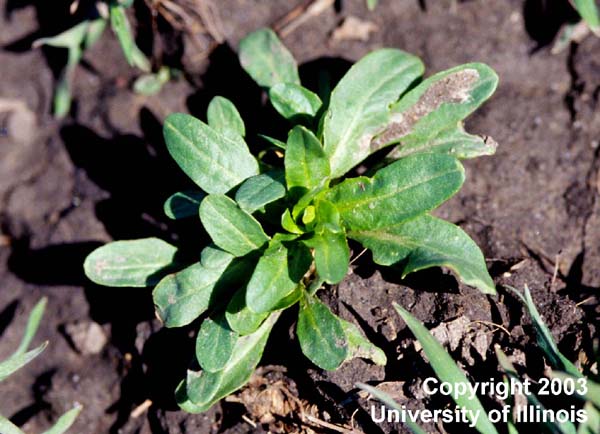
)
(359, 111)
(229, 223)
(375, 198)
(382, 234)
(229, 174)
(316, 330)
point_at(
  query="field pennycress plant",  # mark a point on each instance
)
(280, 226)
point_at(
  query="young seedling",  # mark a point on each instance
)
(20, 358)
(280, 224)
(448, 371)
(85, 34)
(588, 10)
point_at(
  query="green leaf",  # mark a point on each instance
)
(288, 223)
(266, 59)
(215, 343)
(332, 255)
(224, 117)
(94, 32)
(240, 317)
(387, 400)
(306, 165)
(136, 263)
(372, 4)
(71, 38)
(33, 323)
(273, 141)
(61, 103)
(359, 105)
(425, 242)
(203, 389)
(589, 12)
(21, 357)
(260, 190)
(65, 421)
(214, 161)
(18, 360)
(544, 336)
(454, 141)
(181, 297)
(549, 426)
(183, 204)
(321, 334)
(446, 369)
(213, 257)
(360, 346)
(231, 228)
(292, 101)
(593, 388)
(592, 425)
(151, 84)
(7, 427)
(277, 274)
(121, 27)
(437, 104)
(403, 190)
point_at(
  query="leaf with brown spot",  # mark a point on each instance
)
(438, 104)
(358, 108)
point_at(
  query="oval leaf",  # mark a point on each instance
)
(359, 105)
(224, 117)
(136, 263)
(183, 204)
(214, 161)
(266, 59)
(240, 317)
(407, 188)
(306, 165)
(438, 103)
(360, 346)
(181, 297)
(426, 242)
(453, 141)
(151, 84)
(277, 274)
(215, 343)
(260, 190)
(204, 389)
(332, 255)
(231, 228)
(292, 101)
(321, 334)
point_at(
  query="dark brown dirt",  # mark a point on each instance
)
(102, 174)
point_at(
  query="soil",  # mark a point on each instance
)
(66, 186)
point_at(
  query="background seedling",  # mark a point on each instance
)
(280, 224)
(447, 370)
(20, 358)
(85, 34)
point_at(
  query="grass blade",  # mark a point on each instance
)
(446, 369)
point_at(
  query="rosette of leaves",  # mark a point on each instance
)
(280, 225)
(22, 356)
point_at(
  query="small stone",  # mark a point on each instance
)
(88, 337)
